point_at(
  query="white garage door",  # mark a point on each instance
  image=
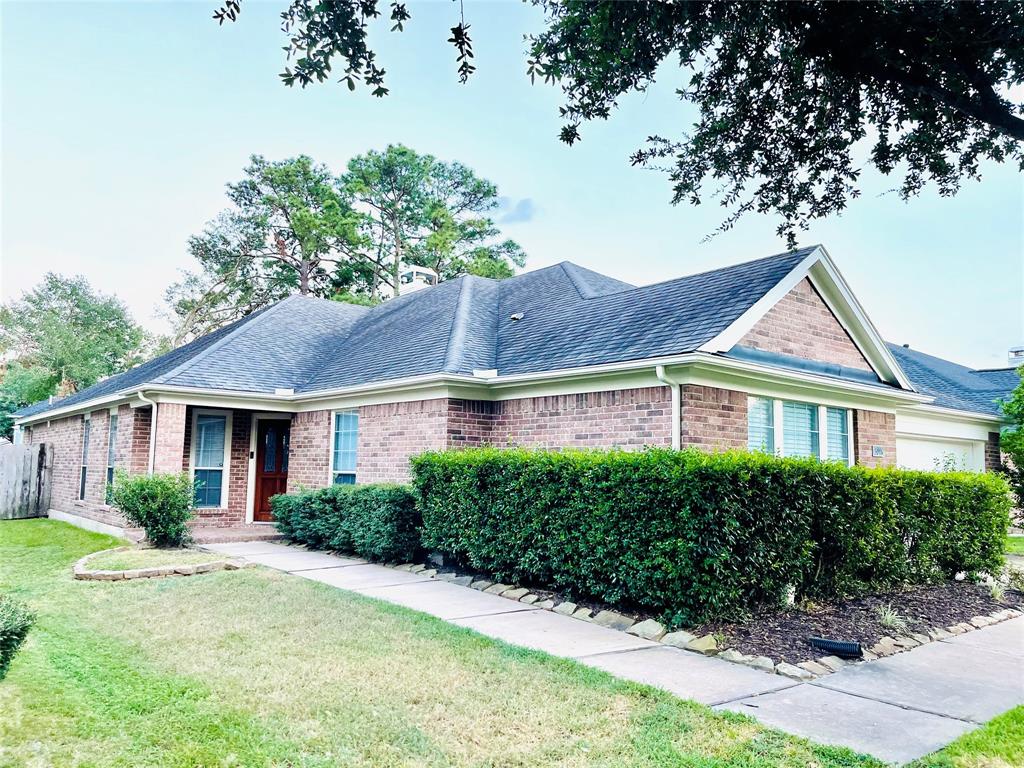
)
(930, 453)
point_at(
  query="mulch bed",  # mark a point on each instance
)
(783, 636)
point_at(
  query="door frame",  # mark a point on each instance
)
(250, 490)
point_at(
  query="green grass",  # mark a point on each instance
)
(130, 559)
(997, 744)
(1014, 545)
(257, 668)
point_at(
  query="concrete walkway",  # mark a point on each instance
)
(896, 709)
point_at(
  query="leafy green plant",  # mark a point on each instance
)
(891, 619)
(1015, 578)
(15, 621)
(378, 522)
(997, 590)
(693, 536)
(159, 504)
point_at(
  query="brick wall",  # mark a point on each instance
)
(872, 428)
(65, 435)
(137, 430)
(993, 456)
(713, 418)
(170, 437)
(625, 418)
(392, 432)
(802, 325)
(470, 422)
(309, 450)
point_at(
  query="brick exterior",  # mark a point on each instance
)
(872, 428)
(65, 435)
(170, 437)
(625, 418)
(713, 418)
(390, 433)
(802, 325)
(993, 456)
(309, 450)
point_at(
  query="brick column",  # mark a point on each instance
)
(309, 451)
(170, 437)
(137, 432)
(870, 429)
(993, 457)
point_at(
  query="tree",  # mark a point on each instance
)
(788, 94)
(419, 210)
(1011, 440)
(288, 229)
(60, 337)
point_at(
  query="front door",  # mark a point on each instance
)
(271, 465)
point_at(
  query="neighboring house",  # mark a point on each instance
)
(774, 354)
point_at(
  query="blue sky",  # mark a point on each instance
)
(122, 122)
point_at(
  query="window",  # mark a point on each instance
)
(111, 445)
(86, 424)
(837, 437)
(346, 432)
(761, 425)
(800, 429)
(209, 456)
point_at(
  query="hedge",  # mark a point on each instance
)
(15, 622)
(693, 536)
(376, 522)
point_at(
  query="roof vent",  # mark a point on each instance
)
(906, 346)
(515, 316)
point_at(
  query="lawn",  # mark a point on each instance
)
(130, 559)
(998, 744)
(1015, 545)
(258, 668)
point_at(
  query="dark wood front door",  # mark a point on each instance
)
(271, 465)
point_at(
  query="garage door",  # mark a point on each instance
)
(934, 453)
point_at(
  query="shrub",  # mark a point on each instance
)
(159, 504)
(15, 622)
(377, 522)
(694, 536)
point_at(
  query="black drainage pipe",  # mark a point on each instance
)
(843, 650)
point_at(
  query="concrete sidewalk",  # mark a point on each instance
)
(896, 709)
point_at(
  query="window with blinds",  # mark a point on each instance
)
(346, 434)
(838, 434)
(800, 429)
(761, 424)
(208, 463)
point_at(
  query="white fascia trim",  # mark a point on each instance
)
(819, 268)
(952, 414)
(86, 406)
(730, 337)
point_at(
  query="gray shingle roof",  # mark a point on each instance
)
(955, 386)
(570, 317)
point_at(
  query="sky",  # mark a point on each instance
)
(120, 124)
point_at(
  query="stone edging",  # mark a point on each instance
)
(649, 629)
(82, 573)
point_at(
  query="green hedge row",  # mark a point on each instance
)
(15, 622)
(693, 536)
(376, 522)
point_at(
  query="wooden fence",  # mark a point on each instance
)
(25, 472)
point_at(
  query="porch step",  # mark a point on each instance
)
(211, 535)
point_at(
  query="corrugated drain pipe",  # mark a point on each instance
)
(152, 432)
(677, 406)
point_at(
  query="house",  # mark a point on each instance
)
(774, 354)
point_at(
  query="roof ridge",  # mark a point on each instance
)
(254, 318)
(457, 332)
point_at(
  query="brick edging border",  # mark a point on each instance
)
(82, 573)
(707, 645)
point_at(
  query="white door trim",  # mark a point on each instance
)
(250, 488)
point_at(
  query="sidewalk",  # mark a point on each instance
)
(896, 709)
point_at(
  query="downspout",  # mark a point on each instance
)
(152, 432)
(677, 406)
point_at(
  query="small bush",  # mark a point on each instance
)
(376, 522)
(693, 536)
(15, 622)
(159, 504)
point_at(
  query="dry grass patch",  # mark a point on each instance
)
(131, 559)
